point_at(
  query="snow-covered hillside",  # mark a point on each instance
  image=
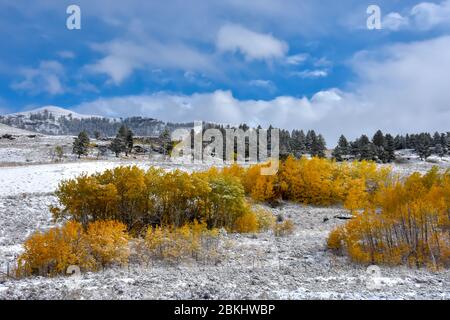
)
(54, 120)
(48, 120)
(57, 113)
(5, 130)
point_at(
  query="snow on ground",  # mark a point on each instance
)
(33, 148)
(5, 129)
(44, 178)
(249, 267)
(407, 163)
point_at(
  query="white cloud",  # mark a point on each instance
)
(264, 84)
(253, 45)
(297, 59)
(310, 74)
(423, 16)
(45, 78)
(261, 83)
(395, 21)
(428, 15)
(66, 54)
(124, 57)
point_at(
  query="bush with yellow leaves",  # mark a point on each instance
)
(51, 253)
(108, 242)
(314, 181)
(173, 244)
(247, 223)
(141, 198)
(285, 228)
(266, 220)
(406, 222)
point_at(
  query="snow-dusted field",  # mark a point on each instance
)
(250, 266)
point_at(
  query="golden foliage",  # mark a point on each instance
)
(52, 252)
(405, 222)
(141, 198)
(247, 223)
(266, 220)
(314, 181)
(285, 228)
(108, 242)
(173, 244)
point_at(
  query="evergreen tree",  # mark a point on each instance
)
(81, 144)
(117, 146)
(298, 143)
(129, 142)
(439, 150)
(126, 137)
(389, 148)
(285, 148)
(378, 139)
(423, 146)
(309, 140)
(318, 146)
(342, 149)
(344, 145)
(365, 150)
(436, 139)
(379, 146)
(400, 142)
(166, 141)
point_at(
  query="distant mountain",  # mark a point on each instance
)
(59, 121)
(57, 113)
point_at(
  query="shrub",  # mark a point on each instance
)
(52, 252)
(407, 222)
(173, 244)
(315, 181)
(247, 223)
(266, 220)
(108, 242)
(284, 228)
(335, 239)
(139, 199)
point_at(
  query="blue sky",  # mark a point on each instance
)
(295, 64)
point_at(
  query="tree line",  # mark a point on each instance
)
(382, 147)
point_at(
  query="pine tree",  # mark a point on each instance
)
(166, 141)
(439, 150)
(129, 142)
(126, 135)
(436, 139)
(81, 144)
(379, 146)
(445, 143)
(318, 146)
(423, 146)
(117, 146)
(378, 139)
(400, 142)
(285, 148)
(365, 149)
(310, 137)
(342, 149)
(298, 140)
(389, 148)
